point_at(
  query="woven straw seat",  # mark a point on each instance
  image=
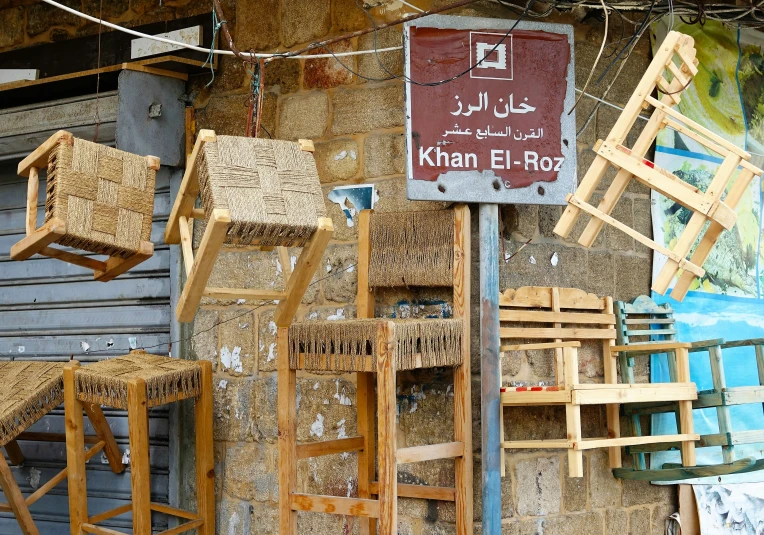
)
(270, 187)
(28, 391)
(167, 379)
(352, 345)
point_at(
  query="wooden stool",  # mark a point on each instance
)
(395, 249)
(254, 192)
(29, 391)
(676, 60)
(138, 382)
(99, 199)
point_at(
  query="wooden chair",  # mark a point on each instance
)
(643, 324)
(566, 317)
(29, 391)
(395, 249)
(99, 199)
(138, 382)
(254, 192)
(676, 60)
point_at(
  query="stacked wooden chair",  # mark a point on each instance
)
(395, 249)
(560, 320)
(648, 328)
(254, 192)
(138, 382)
(29, 391)
(674, 60)
(98, 199)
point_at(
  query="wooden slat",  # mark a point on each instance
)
(650, 348)
(33, 187)
(569, 333)
(335, 505)
(544, 397)
(556, 317)
(387, 431)
(140, 468)
(105, 434)
(73, 258)
(741, 395)
(422, 492)
(174, 511)
(243, 293)
(39, 157)
(111, 513)
(743, 343)
(549, 345)
(205, 454)
(198, 213)
(99, 530)
(39, 239)
(649, 321)
(329, 447)
(75, 454)
(415, 454)
(117, 266)
(42, 490)
(186, 244)
(15, 498)
(188, 526)
(53, 437)
(540, 297)
(650, 332)
(676, 391)
(693, 135)
(591, 443)
(551, 444)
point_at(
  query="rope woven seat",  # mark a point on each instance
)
(167, 379)
(352, 345)
(28, 391)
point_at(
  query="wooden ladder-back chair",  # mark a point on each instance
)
(642, 325)
(98, 199)
(395, 249)
(255, 192)
(559, 320)
(674, 60)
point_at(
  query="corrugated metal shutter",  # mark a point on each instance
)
(49, 309)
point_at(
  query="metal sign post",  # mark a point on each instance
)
(495, 131)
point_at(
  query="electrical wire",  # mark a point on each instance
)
(596, 60)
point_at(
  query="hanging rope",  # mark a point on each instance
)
(216, 25)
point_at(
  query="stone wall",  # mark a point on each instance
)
(357, 126)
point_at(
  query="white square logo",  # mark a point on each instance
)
(496, 61)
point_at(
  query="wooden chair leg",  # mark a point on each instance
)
(386, 442)
(463, 433)
(287, 439)
(205, 462)
(573, 413)
(117, 266)
(14, 452)
(723, 411)
(16, 500)
(366, 412)
(140, 469)
(38, 240)
(685, 408)
(75, 452)
(584, 192)
(102, 429)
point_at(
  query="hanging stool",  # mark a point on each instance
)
(138, 382)
(254, 192)
(98, 199)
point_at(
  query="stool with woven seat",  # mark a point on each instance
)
(395, 249)
(98, 199)
(138, 382)
(29, 391)
(254, 192)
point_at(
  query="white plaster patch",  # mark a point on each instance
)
(340, 155)
(34, 478)
(317, 427)
(326, 402)
(350, 486)
(241, 301)
(315, 385)
(21, 349)
(233, 524)
(532, 260)
(313, 316)
(340, 396)
(351, 268)
(328, 267)
(133, 341)
(554, 260)
(413, 408)
(340, 315)
(85, 346)
(507, 256)
(353, 155)
(293, 261)
(344, 456)
(271, 352)
(279, 269)
(126, 456)
(223, 384)
(272, 327)
(341, 433)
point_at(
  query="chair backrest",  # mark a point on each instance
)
(643, 321)
(556, 314)
(414, 249)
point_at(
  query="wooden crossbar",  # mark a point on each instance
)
(549, 345)
(111, 513)
(329, 447)
(99, 530)
(187, 526)
(422, 492)
(415, 454)
(556, 317)
(564, 333)
(335, 505)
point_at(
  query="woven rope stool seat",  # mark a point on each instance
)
(28, 391)
(351, 346)
(98, 199)
(254, 192)
(138, 382)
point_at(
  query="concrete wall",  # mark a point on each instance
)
(357, 127)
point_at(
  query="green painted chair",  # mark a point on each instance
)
(642, 324)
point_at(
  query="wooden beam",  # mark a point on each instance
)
(73, 258)
(655, 392)
(421, 492)
(651, 348)
(335, 505)
(570, 333)
(173, 511)
(38, 159)
(545, 345)
(39, 239)
(329, 447)
(243, 293)
(117, 266)
(415, 454)
(187, 526)
(186, 244)
(99, 530)
(592, 443)
(33, 187)
(557, 317)
(111, 513)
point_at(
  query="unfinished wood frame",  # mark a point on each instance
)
(141, 506)
(677, 56)
(38, 240)
(378, 490)
(648, 329)
(568, 317)
(199, 267)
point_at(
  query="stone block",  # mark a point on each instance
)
(392, 197)
(511, 364)
(365, 109)
(548, 216)
(262, 413)
(337, 159)
(283, 76)
(590, 358)
(226, 115)
(325, 409)
(318, 524)
(384, 154)
(238, 352)
(575, 490)
(264, 519)
(339, 266)
(643, 493)
(324, 73)
(632, 276)
(616, 521)
(303, 22)
(229, 75)
(643, 223)
(111, 10)
(303, 116)
(605, 489)
(439, 528)
(267, 346)
(639, 521)
(231, 408)
(244, 269)
(616, 239)
(532, 266)
(347, 16)
(522, 220)
(534, 423)
(507, 493)
(251, 472)
(233, 517)
(600, 273)
(538, 486)
(369, 65)
(426, 408)
(11, 27)
(204, 344)
(590, 523)
(658, 518)
(41, 17)
(260, 19)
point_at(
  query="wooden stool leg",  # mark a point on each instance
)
(205, 462)
(140, 469)
(16, 500)
(685, 407)
(463, 433)
(366, 412)
(75, 452)
(14, 452)
(386, 405)
(102, 429)
(723, 411)
(287, 405)
(573, 413)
